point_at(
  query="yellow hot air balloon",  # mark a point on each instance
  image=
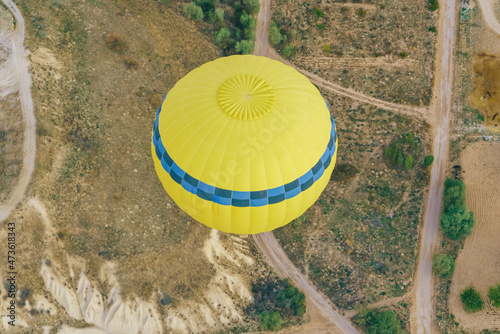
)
(244, 144)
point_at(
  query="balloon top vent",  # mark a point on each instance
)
(246, 97)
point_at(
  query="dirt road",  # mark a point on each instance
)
(422, 319)
(277, 258)
(488, 9)
(21, 67)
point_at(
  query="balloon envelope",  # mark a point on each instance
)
(244, 144)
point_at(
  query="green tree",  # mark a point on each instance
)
(288, 51)
(453, 194)
(219, 15)
(271, 321)
(471, 300)
(244, 47)
(251, 6)
(384, 322)
(275, 36)
(443, 265)
(456, 222)
(428, 160)
(494, 295)
(192, 11)
(408, 162)
(247, 21)
(222, 36)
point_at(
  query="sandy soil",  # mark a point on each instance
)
(478, 263)
(422, 312)
(21, 68)
(487, 7)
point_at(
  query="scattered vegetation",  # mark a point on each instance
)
(494, 295)
(471, 300)
(277, 302)
(443, 265)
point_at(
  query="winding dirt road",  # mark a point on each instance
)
(488, 9)
(21, 67)
(423, 319)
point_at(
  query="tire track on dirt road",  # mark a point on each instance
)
(21, 67)
(423, 312)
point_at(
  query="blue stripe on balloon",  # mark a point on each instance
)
(243, 198)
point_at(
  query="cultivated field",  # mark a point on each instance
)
(478, 263)
(381, 48)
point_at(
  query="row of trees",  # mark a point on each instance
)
(234, 34)
(472, 301)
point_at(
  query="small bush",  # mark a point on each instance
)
(319, 12)
(403, 55)
(288, 51)
(471, 300)
(361, 12)
(374, 322)
(326, 47)
(428, 160)
(115, 42)
(192, 11)
(130, 64)
(494, 295)
(271, 321)
(321, 26)
(345, 10)
(166, 300)
(432, 29)
(443, 265)
(408, 162)
(433, 5)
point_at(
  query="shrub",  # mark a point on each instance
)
(443, 265)
(271, 321)
(192, 11)
(345, 10)
(428, 160)
(244, 47)
(361, 12)
(207, 6)
(457, 222)
(115, 42)
(288, 51)
(408, 162)
(130, 64)
(433, 5)
(494, 295)
(326, 47)
(321, 26)
(275, 36)
(403, 55)
(432, 29)
(166, 300)
(471, 300)
(319, 12)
